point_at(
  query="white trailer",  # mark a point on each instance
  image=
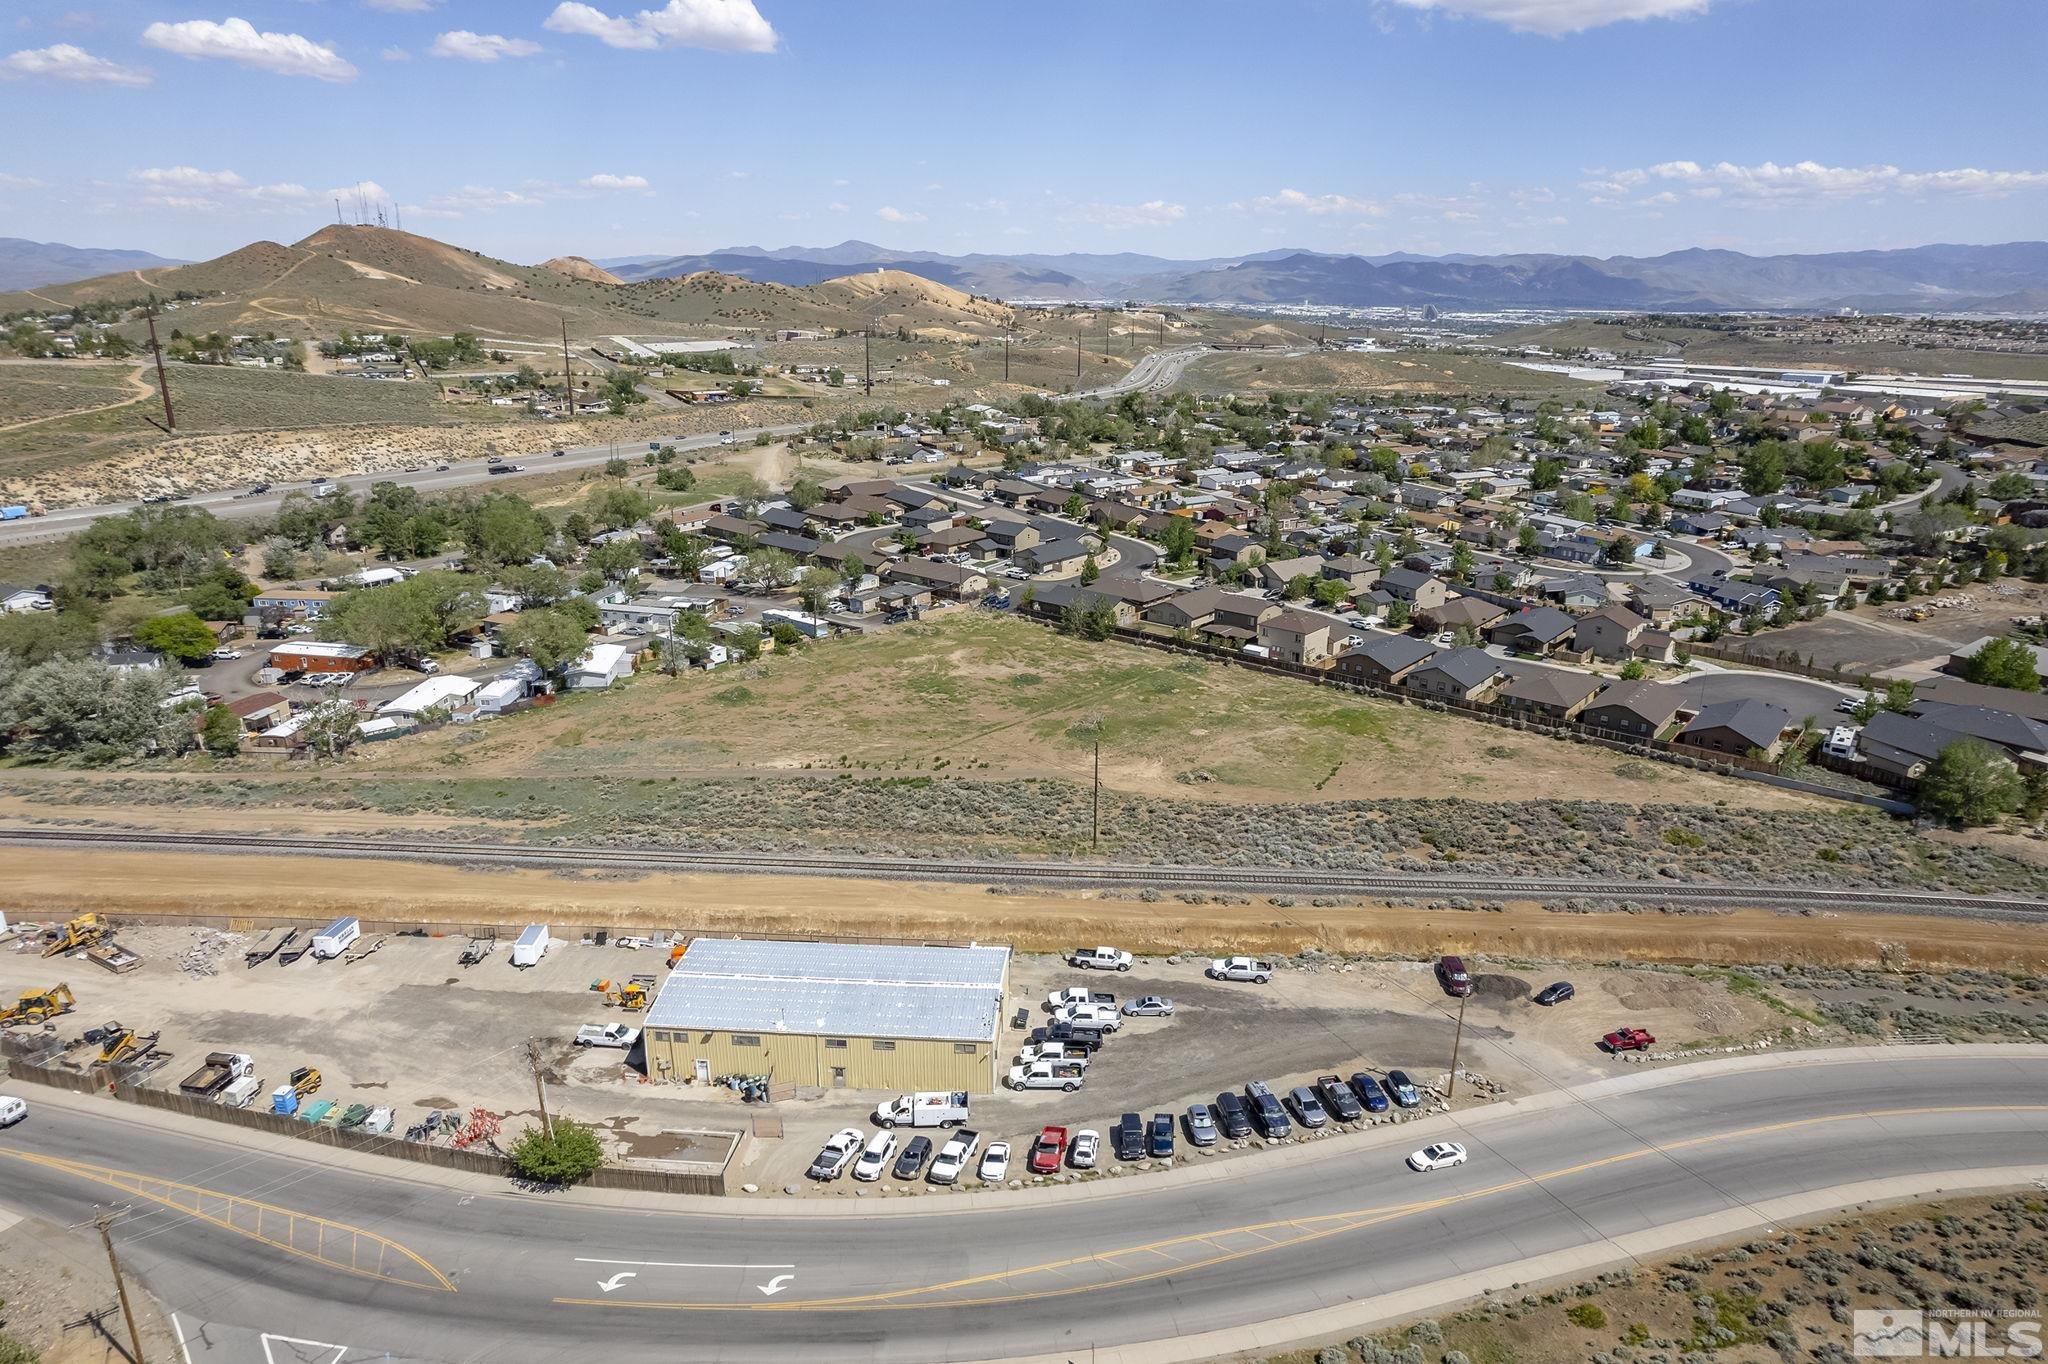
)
(533, 944)
(335, 939)
(927, 1108)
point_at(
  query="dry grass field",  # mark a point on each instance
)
(1411, 372)
(1734, 347)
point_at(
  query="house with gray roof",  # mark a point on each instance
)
(1457, 675)
(1636, 710)
(1738, 727)
(1549, 695)
(1384, 660)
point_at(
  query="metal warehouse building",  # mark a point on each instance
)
(831, 1015)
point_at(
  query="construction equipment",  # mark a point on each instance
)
(632, 995)
(111, 956)
(119, 1043)
(38, 1006)
(83, 931)
(304, 1081)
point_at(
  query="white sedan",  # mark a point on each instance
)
(874, 1160)
(995, 1163)
(1441, 1156)
(1081, 1154)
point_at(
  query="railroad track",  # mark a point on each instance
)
(1256, 880)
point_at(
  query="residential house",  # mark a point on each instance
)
(307, 603)
(600, 666)
(1659, 600)
(1009, 536)
(1549, 695)
(1534, 630)
(1421, 591)
(260, 710)
(1296, 636)
(1277, 573)
(1053, 556)
(1186, 610)
(1384, 660)
(1051, 601)
(1357, 574)
(1738, 727)
(1457, 675)
(1476, 614)
(1640, 710)
(1244, 611)
(1609, 634)
(1574, 591)
(13, 599)
(960, 582)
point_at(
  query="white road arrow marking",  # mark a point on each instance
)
(615, 1280)
(775, 1285)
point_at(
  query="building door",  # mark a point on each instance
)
(839, 1077)
(703, 1071)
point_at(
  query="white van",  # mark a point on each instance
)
(335, 939)
(12, 1110)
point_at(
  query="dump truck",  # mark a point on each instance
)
(83, 931)
(38, 1006)
(222, 1069)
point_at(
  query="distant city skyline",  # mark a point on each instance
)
(532, 128)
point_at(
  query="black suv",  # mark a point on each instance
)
(1266, 1110)
(1231, 1116)
(1127, 1138)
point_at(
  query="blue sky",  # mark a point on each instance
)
(530, 128)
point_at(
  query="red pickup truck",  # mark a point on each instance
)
(1628, 1039)
(1047, 1151)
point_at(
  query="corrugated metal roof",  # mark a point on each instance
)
(835, 989)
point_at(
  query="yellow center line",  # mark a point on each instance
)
(1307, 1227)
(167, 1193)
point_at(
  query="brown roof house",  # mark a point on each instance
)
(1609, 633)
(1534, 630)
(1476, 614)
(1549, 695)
(1296, 637)
(1639, 710)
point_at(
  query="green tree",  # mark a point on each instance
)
(2009, 487)
(416, 616)
(179, 634)
(1547, 474)
(805, 493)
(1763, 468)
(503, 529)
(1297, 587)
(81, 708)
(31, 637)
(1527, 539)
(1461, 562)
(814, 589)
(614, 559)
(221, 734)
(1633, 670)
(617, 506)
(1177, 540)
(1090, 570)
(565, 1153)
(2003, 663)
(535, 584)
(551, 636)
(770, 568)
(1970, 783)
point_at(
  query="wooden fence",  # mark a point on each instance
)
(1781, 661)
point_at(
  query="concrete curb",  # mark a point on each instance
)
(1407, 1134)
(1545, 1271)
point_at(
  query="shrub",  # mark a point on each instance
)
(1586, 1314)
(564, 1156)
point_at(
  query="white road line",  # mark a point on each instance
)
(178, 1333)
(672, 1264)
(268, 1339)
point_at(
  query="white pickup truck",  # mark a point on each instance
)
(1240, 968)
(1090, 1015)
(933, 1108)
(607, 1035)
(1099, 959)
(1076, 994)
(1047, 1075)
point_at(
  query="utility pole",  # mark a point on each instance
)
(163, 384)
(1095, 821)
(539, 1087)
(1451, 1086)
(1006, 359)
(568, 396)
(104, 1222)
(1077, 355)
(867, 351)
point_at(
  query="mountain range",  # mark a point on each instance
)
(2012, 277)
(26, 265)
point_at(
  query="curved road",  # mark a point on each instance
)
(1155, 372)
(458, 474)
(1557, 1184)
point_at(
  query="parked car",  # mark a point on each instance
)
(1081, 1152)
(1266, 1110)
(1439, 1156)
(916, 1152)
(837, 1154)
(1403, 1089)
(875, 1157)
(1160, 1147)
(954, 1156)
(1369, 1092)
(1232, 1116)
(1240, 968)
(12, 1110)
(1452, 975)
(1338, 1100)
(995, 1163)
(1062, 1031)
(1097, 958)
(1628, 1039)
(1308, 1109)
(1555, 994)
(1127, 1138)
(1076, 994)
(225, 655)
(1047, 1151)
(1201, 1127)
(1102, 1017)
(1149, 1006)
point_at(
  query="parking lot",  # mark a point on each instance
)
(407, 1027)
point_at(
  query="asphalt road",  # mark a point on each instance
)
(1798, 696)
(1155, 372)
(425, 1272)
(458, 474)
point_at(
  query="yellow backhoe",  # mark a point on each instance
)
(38, 1006)
(632, 995)
(119, 1044)
(86, 930)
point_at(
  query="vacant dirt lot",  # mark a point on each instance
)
(1871, 639)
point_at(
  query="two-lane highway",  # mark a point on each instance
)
(427, 1272)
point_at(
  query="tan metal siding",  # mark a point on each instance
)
(804, 1060)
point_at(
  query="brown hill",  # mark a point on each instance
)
(575, 267)
(381, 279)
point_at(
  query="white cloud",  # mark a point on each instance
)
(836, 206)
(402, 6)
(603, 180)
(395, 54)
(1319, 205)
(465, 46)
(186, 177)
(191, 189)
(1554, 18)
(888, 213)
(479, 199)
(1117, 217)
(65, 62)
(19, 181)
(236, 40)
(739, 175)
(720, 25)
(1806, 181)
